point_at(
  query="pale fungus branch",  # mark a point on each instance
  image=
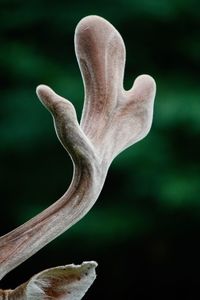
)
(112, 120)
(69, 282)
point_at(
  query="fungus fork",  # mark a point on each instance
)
(112, 120)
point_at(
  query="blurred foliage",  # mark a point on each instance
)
(147, 216)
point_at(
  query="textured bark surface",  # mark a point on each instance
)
(66, 282)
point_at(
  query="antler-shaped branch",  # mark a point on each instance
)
(112, 120)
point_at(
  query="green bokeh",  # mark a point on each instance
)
(147, 216)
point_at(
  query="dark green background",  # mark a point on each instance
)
(144, 229)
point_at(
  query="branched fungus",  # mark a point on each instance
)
(112, 120)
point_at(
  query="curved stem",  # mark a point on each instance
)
(21, 243)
